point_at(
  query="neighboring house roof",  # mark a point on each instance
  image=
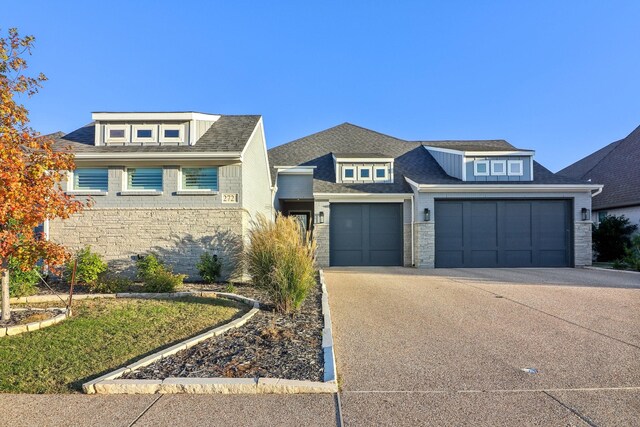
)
(412, 160)
(615, 166)
(227, 134)
(360, 156)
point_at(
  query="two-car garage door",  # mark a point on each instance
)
(503, 233)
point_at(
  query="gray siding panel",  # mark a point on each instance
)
(451, 163)
(295, 187)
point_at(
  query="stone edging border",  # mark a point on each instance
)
(111, 384)
(34, 326)
(610, 269)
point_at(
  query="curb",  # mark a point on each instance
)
(610, 270)
(34, 326)
(111, 384)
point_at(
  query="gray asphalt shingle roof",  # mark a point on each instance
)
(477, 145)
(615, 166)
(227, 134)
(412, 160)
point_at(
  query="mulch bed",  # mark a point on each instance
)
(269, 345)
(22, 317)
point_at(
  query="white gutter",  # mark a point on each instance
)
(502, 188)
(159, 156)
(597, 191)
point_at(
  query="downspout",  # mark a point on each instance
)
(598, 191)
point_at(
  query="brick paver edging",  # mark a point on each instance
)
(34, 326)
(111, 384)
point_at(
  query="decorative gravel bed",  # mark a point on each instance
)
(269, 345)
(22, 317)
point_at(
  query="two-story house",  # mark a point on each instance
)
(177, 184)
(376, 200)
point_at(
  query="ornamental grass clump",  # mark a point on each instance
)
(280, 258)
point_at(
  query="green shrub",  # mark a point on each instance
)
(612, 236)
(164, 281)
(619, 265)
(157, 276)
(280, 260)
(110, 284)
(632, 254)
(209, 267)
(90, 265)
(230, 288)
(22, 283)
(148, 266)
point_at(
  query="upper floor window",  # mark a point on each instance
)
(149, 179)
(172, 133)
(380, 173)
(200, 179)
(91, 179)
(498, 167)
(364, 172)
(144, 133)
(481, 167)
(117, 133)
(515, 167)
(348, 173)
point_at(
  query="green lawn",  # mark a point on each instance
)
(103, 335)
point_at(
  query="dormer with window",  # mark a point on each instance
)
(363, 168)
(138, 129)
(484, 161)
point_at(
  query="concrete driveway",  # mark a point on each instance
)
(447, 347)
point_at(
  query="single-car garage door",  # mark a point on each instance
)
(365, 234)
(503, 233)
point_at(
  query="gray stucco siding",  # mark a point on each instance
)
(451, 163)
(255, 193)
(526, 171)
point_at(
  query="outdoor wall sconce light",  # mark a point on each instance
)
(321, 217)
(586, 215)
(427, 214)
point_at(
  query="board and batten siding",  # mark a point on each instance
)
(450, 162)
(526, 169)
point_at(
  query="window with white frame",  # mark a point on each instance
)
(172, 133)
(481, 167)
(90, 179)
(348, 173)
(498, 167)
(380, 173)
(364, 173)
(200, 179)
(145, 179)
(117, 133)
(515, 167)
(145, 133)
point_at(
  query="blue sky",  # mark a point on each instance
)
(560, 77)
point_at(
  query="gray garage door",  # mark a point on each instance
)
(503, 233)
(365, 234)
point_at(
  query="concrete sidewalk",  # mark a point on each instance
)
(447, 347)
(167, 410)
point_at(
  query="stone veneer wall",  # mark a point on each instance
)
(321, 233)
(179, 236)
(583, 253)
(408, 262)
(425, 256)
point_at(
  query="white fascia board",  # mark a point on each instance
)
(504, 188)
(158, 156)
(295, 170)
(499, 153)
(363, 159)
(155, 116)
(481, 153)
(363, 197)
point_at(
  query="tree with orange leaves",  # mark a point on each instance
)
(30, 171)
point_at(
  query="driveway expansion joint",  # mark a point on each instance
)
(572, 410)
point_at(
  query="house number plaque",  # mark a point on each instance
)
(229, 197)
